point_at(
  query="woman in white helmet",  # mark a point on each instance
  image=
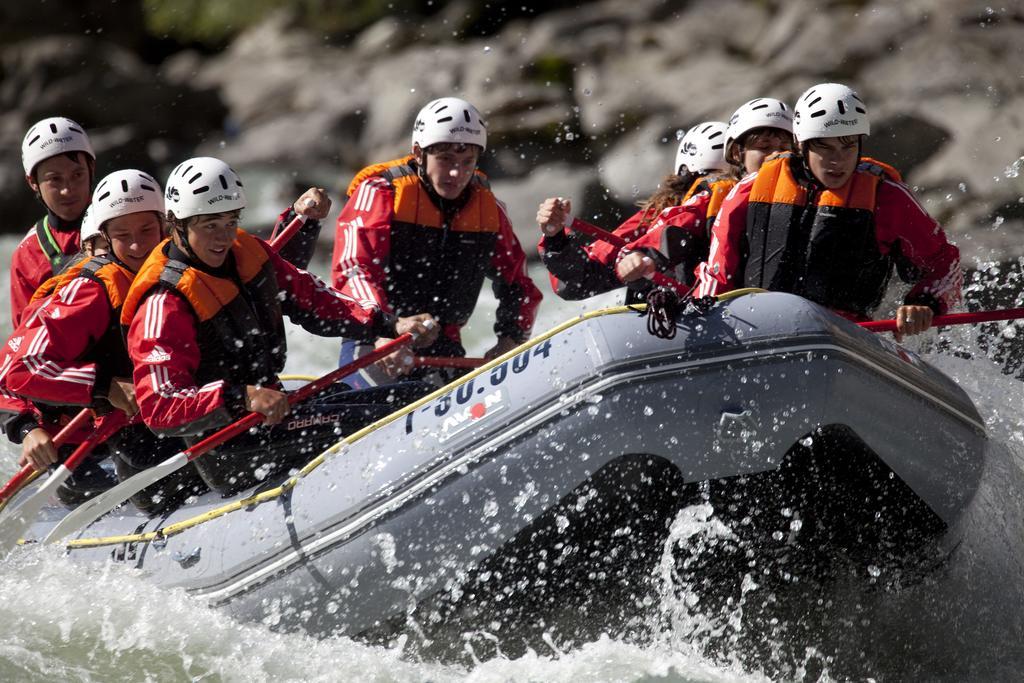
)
(758, 129)
(686, 202)
(772, 231)
(74, 353)
(205, 322)
(59, 164)
(420, 234)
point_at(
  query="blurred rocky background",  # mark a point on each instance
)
(583, 99)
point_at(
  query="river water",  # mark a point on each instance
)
(67, 622)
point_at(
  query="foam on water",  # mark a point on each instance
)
(70, 622)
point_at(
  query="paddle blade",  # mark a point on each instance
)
(16, 482)
(23, 475)
(94, 508)
(21, 518)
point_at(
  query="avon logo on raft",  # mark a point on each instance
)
(458, 422)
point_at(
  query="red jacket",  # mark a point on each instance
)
(165, 343)
(676, 239)
(579, 269)
(30, 267)
(901, 226)
(391, 252)
(17, 413)
(70, 354)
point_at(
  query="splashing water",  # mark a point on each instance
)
(67, 621)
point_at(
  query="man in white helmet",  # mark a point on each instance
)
(829, 224)
(419, 234)
(205, 323)
(669, 233)
(59, 164)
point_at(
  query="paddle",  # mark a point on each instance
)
(93, 509)
(19, 479)
(279, 240)
(448, 362)
(18, 520)
(951, 319)
(611, 238)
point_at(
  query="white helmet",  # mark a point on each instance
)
(90, 228)
(764, 112)
(449, 119)
(125, 192)
(203, 185)
(829, 110)
(703, 148)
(50, 137)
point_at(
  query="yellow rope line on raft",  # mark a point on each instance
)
(270, 494)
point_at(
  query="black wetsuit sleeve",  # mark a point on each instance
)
(299, 250)
(578, 277)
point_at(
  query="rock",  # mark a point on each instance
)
(981, 149)
(122, 23)
(707, 26)
(642, 84)
(924, 67)
(119, 99)
(317, 137)
(905, 139)
(385, 34)
(575, 97)
(521, 197)
(634, 167)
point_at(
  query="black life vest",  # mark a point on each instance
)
(438, 260)
(816, 242)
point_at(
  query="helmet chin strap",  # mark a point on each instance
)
(421, 171)
(182, 241)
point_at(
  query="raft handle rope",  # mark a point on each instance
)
(256, 499)
(664, 307)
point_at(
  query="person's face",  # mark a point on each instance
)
(132, 237)
(450, 169)
(63, 184)
(760, 145)
(833, 160)
(212, 235)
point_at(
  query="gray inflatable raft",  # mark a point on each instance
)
(411, 509)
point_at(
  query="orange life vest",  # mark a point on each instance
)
(240, 326)
(440, 250)
(816, 242)
(718, 186)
